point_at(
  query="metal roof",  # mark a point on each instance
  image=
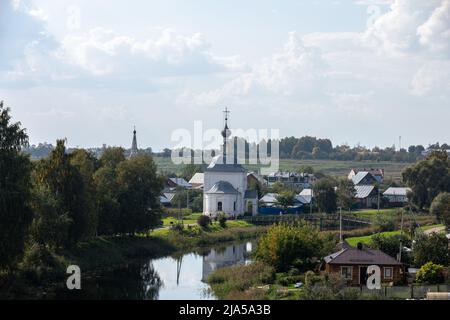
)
(359, 176)
(197, 178)
(352, 256)
(223, 187)
(269, 198)
(363, 192)
(217, 165)
(180, 182)
(396, 191)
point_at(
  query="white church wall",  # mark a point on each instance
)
(237, 179)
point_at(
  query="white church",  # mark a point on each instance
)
(225, 185)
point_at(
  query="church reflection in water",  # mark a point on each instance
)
(236, 254)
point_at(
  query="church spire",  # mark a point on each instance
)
(134, 148)
(225, 134)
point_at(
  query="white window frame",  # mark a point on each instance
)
(351, 272)
(392, 272)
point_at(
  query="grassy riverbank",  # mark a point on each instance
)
(43, 269)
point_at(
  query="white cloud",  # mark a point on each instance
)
(103, 52)
(435, 32)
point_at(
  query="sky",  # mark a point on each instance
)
(355, 71)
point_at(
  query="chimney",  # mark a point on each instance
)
(359, 246)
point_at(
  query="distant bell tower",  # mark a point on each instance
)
(134, 148)
(226, 133)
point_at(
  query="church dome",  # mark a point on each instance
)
(226, 133)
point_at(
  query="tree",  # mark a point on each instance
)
(15, 213)
(430, 273)
(325, 195)
(139, 190)
(50, 226)
(189, 170)
(285, 199)
(432, 248)
(345, 193)
(64, 182)
(285, 246)
(390, 245)
(111, 157)
(87, 164)
(428, 178)
(203, 221)
(440, 207)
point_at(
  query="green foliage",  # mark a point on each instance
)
(430, 273)
(285, 246)
(139, 190)
(222, 221)
(325, 195)
(189, 170)
(285, 199)
(329, 287)
(428, 178)
(112, 157)
(15, 214)
(385, 223)
(64, 181)
(239, 282)
(41, 264)
(345, 193)
(50, 227)
(204, 221)
(432, 248)
(391, 245)
(440, 207)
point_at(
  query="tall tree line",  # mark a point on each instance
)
(63, 199)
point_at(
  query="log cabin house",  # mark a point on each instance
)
(352, 263)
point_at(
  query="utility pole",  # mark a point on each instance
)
(187, 198)
(378, 200)
(401, 237)
(340, 224)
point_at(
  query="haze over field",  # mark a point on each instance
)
(353, 71)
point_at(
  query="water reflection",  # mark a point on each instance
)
(228, 256)
(171, 278)
(137, 281)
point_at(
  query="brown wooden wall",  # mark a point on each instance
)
(398, 275)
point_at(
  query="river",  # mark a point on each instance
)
(169, 278)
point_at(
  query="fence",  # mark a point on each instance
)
(414, 291)
(322, 221)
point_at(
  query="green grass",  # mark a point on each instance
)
(187, 219)
(366, 239)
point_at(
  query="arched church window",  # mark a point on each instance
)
(219, 206)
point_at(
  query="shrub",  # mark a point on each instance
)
(237, 282)
(223, 221)
(440, 207)
(203, 221)
(285, 246)
(432, 248)
(177, 227)
(430, 273)
(385, 223)
(41, 264)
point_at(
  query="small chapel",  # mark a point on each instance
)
(225, 184)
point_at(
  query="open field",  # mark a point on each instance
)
(333, 167)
